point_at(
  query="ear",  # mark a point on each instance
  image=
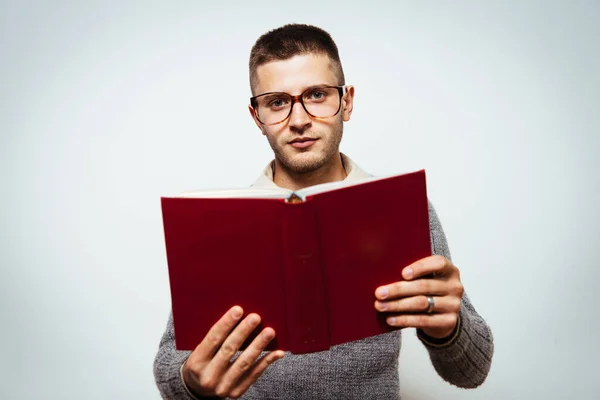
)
(256, 121)
(348, 103)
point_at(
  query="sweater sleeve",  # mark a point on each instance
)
(167, 364)
(466, 360)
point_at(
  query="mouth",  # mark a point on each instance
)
(302, 143)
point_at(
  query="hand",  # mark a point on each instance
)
(407, 301)
(209, 371)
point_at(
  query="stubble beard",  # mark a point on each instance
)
(329, 144)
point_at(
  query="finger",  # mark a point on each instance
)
(419, 304)
(245, 361)
(217, 334)
(222, 358)
(434, 321)
(434, 265)
(426, 287)
(255, 372)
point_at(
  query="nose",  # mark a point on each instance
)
(299, 118)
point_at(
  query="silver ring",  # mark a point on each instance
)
(430, 305)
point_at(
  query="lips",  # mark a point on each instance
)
(302, 143)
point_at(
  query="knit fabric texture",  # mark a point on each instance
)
(363, 369)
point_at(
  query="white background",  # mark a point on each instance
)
(106, 106)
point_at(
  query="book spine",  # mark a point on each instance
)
(306, 311)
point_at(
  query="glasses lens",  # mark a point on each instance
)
(319, 102)
(273, 108)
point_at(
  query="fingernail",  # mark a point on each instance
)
(252, 320)
(408, 273)
(383, 306)
(236, 313)
(279, 354)
(391, 320)
(268, 335)
(382, 293)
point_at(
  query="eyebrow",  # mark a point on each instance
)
(303, 90)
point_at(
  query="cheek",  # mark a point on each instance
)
(330, 130)
(274, 134)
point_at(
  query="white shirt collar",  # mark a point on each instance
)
(353, 173)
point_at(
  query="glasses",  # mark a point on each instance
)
(318, 102)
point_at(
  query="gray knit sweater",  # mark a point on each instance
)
(364, 369)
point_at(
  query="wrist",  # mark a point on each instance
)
(438, 338)
(183, 372)
(438, 334)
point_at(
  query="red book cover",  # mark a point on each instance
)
(308, 268)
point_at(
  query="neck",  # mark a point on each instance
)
(332, 171)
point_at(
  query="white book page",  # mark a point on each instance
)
(249, 193)
(326, 187)
(274, 193)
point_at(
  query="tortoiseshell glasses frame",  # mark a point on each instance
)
(254, 102)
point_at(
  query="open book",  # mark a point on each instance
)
(308, 262)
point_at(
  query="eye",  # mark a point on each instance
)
(277, 103)
(316, 95)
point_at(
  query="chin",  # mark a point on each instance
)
(305, 162)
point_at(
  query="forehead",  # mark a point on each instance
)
(295, 74)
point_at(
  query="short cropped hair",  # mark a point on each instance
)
(291, 40)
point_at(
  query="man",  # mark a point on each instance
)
(300, 102)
